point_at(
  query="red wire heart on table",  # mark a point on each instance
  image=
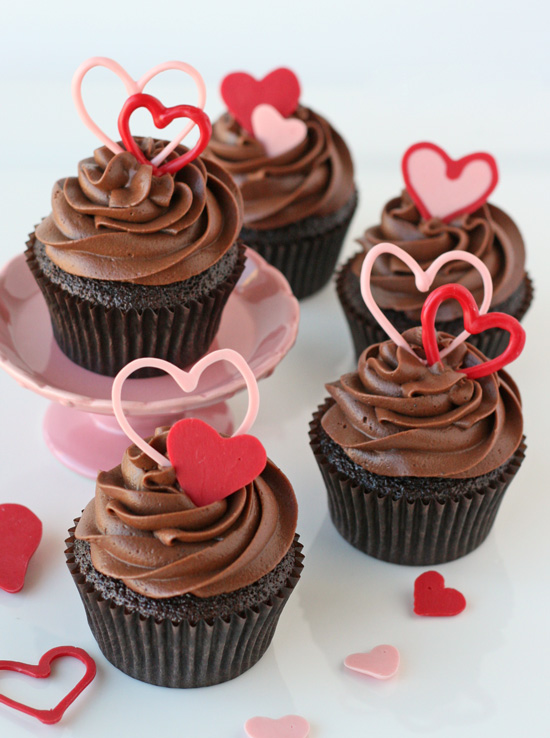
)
(434, 599)
(162, 117)
(242, 93)
(473, 323)
(210, 467)
(43, 670)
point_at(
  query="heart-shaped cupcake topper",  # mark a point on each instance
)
(20, 534)
(133, 87)
(444, 188)
(423, 281)
(208, 466)
(289, 726)
(162, 117)
(277, 134)
(42, 670)
(434, 599)
(474, 323)
(242, 94)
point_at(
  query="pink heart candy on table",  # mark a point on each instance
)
(132, 88)
(289, 726)
(277, 134)
(382, 662)
(444, 188)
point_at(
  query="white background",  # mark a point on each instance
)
(467, 75)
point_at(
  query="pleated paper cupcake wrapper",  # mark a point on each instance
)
(366, 331)
(180, 654)
(412, 532)
(306, 253)
(104, 340)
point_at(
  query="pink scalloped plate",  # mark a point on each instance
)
(260, 321)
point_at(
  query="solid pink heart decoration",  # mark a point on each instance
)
(381, 662)
(289, 726)
(277, 134)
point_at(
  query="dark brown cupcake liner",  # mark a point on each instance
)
(414, 532)
(181, 654)
(104, 340)
(365, 331)
(305, 252)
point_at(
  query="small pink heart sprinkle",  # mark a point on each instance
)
(277, 134)
(289, 726)
(381, 663)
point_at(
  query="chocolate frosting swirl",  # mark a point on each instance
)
(488, 233)
(313, 178)
(144, 530)
(117, 221)
(397, 417)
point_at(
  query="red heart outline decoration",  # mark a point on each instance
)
(473, 323)
(42, 671)
(454, 170)
(241, 92)
(433, 599)
(162, 117)
(210, 467)
(20, 535)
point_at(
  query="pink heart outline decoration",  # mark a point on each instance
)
(423, 280)
(186, 381)
(42, 670)
(289, 726)
(133, 87)
(381, 662)
(276, 133)
(444, 188)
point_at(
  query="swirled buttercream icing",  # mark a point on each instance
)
(314, 178)
(488, 233)
(117, 221)
(144, 530)
(396, 417)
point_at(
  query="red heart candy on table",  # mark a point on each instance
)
(208, 466)
(20, 534)
(473, 323)
(242, 93)
(289, 726)
(43, 670)
(162, 117)
(432, 598)
(444, 188)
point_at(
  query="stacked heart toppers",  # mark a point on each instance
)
(209, 467)
(445, 188)
(161, 115)
(476, 320)
(264, 108)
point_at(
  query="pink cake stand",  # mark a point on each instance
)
(260, 321)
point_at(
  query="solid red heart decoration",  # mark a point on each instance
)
(162, 117)
(210, 467)
(242, 93)
(20, 534)
(43, 670)
(473, 323)
(444, 188)
(432, 598)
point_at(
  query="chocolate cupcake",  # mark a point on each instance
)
(416, 458)
(179, 595)
(298, 204)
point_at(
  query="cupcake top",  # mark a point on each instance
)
(488, 233)
(396, 417)
(144, 530)
(313, 178)
(118, 221)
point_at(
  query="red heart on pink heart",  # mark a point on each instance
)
(382, 662)
(289, 726)
(432, 598)
(444, 188)
(20, 534)
(208, 466)
(242, 93)
(277, 134)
